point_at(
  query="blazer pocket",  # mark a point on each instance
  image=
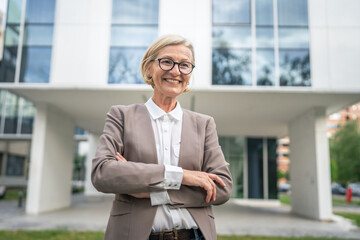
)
(120, 208)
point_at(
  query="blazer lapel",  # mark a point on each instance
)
(146, 146)
(189, 149)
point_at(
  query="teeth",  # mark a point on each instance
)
(171, 80)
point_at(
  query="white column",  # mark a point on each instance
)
(310, 165)
(51, 163)
(93, 140)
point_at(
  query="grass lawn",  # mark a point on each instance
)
(68, 235)
(353, 216)
(11, 195)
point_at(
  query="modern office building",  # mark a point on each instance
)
(264, 69)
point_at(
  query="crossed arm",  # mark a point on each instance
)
(112, 173)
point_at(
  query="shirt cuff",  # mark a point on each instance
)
(173, 177)
(160, 198)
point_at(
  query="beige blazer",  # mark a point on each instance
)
(128, 130)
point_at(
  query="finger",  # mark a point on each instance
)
(119, 157)
(214, 189)
(216, 179)
(209, 191)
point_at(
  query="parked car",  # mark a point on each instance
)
(336, 188)
(355, 188)
(284, 187)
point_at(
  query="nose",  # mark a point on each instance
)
(175, 70)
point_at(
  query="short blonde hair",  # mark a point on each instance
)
(154, 49)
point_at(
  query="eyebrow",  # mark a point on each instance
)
(182, 60)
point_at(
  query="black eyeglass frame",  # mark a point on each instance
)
(178, 63)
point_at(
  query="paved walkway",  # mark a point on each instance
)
(234, 218)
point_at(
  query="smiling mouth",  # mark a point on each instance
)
(172, 80)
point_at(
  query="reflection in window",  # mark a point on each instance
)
(292, 13)
(14, 11)
(231, 34)
(140, 36)
(11, 41)
(231, 12)
(15, 165)
(135, 12)
(231, 67)
(264, 13)
(27, 121)
(294, 68)
(272, 168)
(255, 167)
(134, 28)
(233, 149)
(35, 64)
(265, 67)
(124, 65)
(37, 46)
(293, 38)
(40, 11)
(231, 37)
(11, 113)
(294, 59)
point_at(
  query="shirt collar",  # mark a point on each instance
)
(156, 112)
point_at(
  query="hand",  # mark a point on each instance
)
(204, 180)
(120, 158)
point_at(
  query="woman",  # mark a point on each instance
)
(164, 163)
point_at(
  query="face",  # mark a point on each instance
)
(170, 83)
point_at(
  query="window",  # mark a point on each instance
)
(11, 42)
(15, 165)
(265, 56)
(237, 47)
(233, 149)
(11, 113)
(134, 28)
(37, 45)
(294, 55)
(231, 58)
(27, 117)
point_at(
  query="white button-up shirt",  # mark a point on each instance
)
(167, 129)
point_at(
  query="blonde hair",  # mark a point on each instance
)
(154, 49)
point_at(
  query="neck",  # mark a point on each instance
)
(166, 103)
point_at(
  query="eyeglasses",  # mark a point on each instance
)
(167, 64)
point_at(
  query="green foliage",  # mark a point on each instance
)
(353, 216)
(345, 153)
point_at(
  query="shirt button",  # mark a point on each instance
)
(176, 226)
(166, 148)
(175, 185)
(169, 185)
(165, 130)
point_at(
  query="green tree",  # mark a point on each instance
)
(345, 153)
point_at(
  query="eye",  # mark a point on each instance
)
(185, 65)
(167, 62)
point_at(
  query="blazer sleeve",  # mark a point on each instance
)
(213, 162)
(111, 176)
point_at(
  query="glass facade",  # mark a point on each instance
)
(15, 165)
(134, 28)
(16, 114)
(231, 64)
(246, 158)
(33, 46)
(236, 47)
(233, 149)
